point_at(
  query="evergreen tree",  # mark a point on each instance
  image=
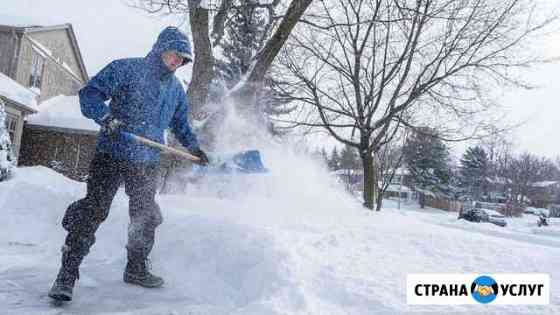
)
(427, 159)
(245, 33)
(324, 156)
(7, 159)
(334, 161)
(474, 172)
(349, 158)
(246, 26)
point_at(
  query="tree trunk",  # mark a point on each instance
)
(422, 200)
(245, 96)
(379, 201)
(272, 48)
(203, 67)
(369, 180)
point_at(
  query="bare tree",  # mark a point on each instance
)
(525, 171)
(207, 27)
(499, 146)
(388, 160)
(367, 67)
(207, 24)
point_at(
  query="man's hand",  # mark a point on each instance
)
(111, 126)
(203, 158)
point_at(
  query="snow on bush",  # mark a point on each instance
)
(7, 160)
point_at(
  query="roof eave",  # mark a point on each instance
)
(24, 108)
(34, 28)
(62, 129)
(74, 41)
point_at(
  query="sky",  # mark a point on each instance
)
(109, 29)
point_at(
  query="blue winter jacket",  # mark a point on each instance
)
(145, 96)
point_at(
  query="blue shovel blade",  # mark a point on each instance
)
(246, 162)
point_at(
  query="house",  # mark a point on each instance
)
(19, 102)
(400, 185)
(498, 189)
(544, 193)
(36, 63)
(350, 176)
(60, 137)
(396, 190)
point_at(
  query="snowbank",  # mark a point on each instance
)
(289, 242)
(63, 112)
(257, 254)
(17, 92)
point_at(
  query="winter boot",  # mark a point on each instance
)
(138, 272)
(67, 276)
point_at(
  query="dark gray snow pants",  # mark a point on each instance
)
(83, 217)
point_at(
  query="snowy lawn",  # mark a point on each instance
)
(290, 244)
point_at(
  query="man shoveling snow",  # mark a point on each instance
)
(145, 99)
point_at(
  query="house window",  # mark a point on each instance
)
(37, 65)
(11, 126)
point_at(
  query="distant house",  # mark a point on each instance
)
(399, 185)
(544, 193)
(37, 63)
(350, 176)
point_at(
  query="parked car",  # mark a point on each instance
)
(538, 211)
(483, 215)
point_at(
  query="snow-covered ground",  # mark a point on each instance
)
(289, 242)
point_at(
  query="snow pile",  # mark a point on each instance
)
(63, 112)
(14, 91)
(245, 256)
(286, 242)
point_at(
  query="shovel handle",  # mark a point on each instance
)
(162, 147)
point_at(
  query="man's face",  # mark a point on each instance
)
(172, 60)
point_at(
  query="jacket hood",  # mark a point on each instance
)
(171, 38)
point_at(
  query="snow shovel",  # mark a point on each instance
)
(242, 162)
(183, 154)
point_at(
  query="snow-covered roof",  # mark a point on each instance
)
(498, 180)
(402, 171)
(62, 112)
(426, 192)
(16, 92)
(397, 188)
(546, 183)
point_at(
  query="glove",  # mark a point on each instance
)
(111, 126)
(202, 156)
